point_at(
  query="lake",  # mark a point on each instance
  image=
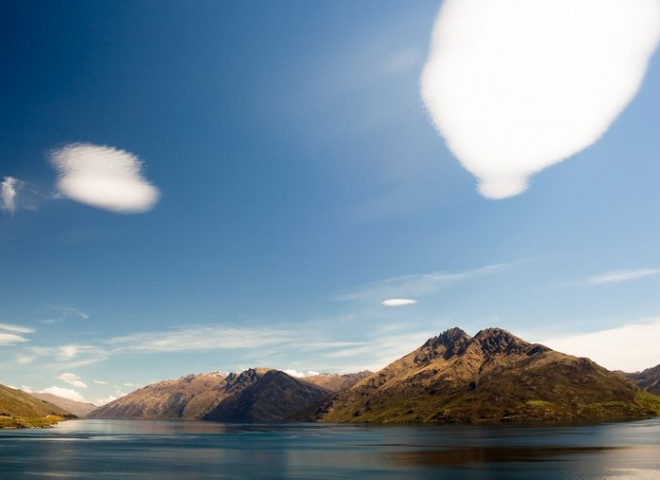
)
(113, 449)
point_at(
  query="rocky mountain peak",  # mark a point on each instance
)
(497, 340)
(449, 343)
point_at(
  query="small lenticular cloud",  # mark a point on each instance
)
(398, 302)
(515, 86)
(103, 177)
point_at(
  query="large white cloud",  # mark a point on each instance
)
(104, 177)
(515, 86)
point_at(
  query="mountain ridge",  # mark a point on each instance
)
(489, 378)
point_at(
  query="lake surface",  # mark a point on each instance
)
(113, 449)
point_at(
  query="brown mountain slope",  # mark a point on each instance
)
(19, 409)
(271, 397)
(255, 395)
(492, 377)
(79, 409)
(335, 382)
(648, 380)
(186, 398)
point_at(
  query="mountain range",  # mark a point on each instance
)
(452, 378)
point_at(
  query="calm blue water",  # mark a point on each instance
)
(107, 449)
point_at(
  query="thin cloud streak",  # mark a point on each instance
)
(15, 328)
(621, 276)
(515, 86)
(415, 285)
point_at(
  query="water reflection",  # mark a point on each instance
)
(471, 455)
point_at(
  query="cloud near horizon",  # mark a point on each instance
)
(69, 393)
(612, 348)
(515, 86)
(103, 177)
(72, 379)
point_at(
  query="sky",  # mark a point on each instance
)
(321, 186)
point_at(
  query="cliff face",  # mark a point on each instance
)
(491, 377)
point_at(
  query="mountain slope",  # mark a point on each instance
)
(648, 380)
(20, 409)
(79, 409)
(335, 382)
(492, 377)
(186, 398)
(255, 395)
(272, 397)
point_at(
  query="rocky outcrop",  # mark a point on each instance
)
(648, 380)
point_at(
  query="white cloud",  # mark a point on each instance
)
(11, 339)
(300, 374)
(630, 348)
(26, 389)
(104, 177)
(415, 285)
(8, 194)
(100, 382)
(15, 328)
(621, 276)
(102, 401)
(515, 86)
(72, 379)
(69, 393)
(24, 359)
(398, 302)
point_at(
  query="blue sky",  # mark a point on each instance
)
(301, 183)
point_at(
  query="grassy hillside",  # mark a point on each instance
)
(21, 410)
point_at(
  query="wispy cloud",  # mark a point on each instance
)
(72, 379)
(13, 334)
(621, 276)
(103, 177)
(409, 286)
(515, 86)
(8, 194)
(612, 347)
(64, 313)
(15, 328)
(100, 382)
(197, 338)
